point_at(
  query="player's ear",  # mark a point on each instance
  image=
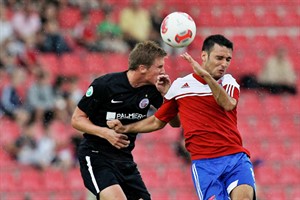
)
(143, 68)
(204, 56)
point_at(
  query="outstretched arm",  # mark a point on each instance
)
(144, 126)
(81, 122)
(163, 84)
(220, 95)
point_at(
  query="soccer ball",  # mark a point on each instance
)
(178, 29)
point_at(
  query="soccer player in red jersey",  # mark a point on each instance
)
(206, 102)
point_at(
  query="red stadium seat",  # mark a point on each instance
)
(151, 177)
(50, 63)
(161, 195)
(186, 194)
(71, 64)
(289, 175)
(54, 180)
(274, 194)
(30, 180)
(68, 17)
(178, 178)
(15, 195)
(266, 175)
(96, 17)
(74, 180)
(115, 62)
(94, 63)
(40, 195)
(8, 181)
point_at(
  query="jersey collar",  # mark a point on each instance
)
(196, 76)
(201, 80)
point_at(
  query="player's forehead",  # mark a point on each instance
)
(158, 61)
(218, 50)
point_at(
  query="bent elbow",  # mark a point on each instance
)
(229, 107)
(74, 122)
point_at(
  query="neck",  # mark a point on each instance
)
(135, 79)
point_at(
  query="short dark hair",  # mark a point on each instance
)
(211, 40)
(144, 53)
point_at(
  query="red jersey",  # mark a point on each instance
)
(209, 130)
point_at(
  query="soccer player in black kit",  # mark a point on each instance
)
(106, 162)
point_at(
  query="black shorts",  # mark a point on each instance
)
(99, 172)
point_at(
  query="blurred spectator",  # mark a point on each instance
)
(157, 15)
(75, 94)
(51, 39)
(85, 33)
(135, 23)
(278, 75)
(26, 21)
(12, 104)
(40, 152)
(5, 26)
(110, 36)
(62, 94)
(41, 99)
(24, 146)
(49, 11)
(8, 61)
(28, 56)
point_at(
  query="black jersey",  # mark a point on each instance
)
(112, 97)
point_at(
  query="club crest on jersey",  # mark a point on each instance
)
(144, 103)
(89, 92)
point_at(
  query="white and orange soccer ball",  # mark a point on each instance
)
(178, 29)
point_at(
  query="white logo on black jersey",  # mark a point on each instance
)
(114, 101)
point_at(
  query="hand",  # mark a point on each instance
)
(163, 83)
(116, 125)
(117, 140)
(196, 66)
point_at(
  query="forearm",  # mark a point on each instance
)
(220, 95)
(84, 125)
(145, 126)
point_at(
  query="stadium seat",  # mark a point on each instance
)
(295, 192)
(8, 181)
(274, 194)
(96, 17)
(151, 177)
(277, 151)
(10, 131)
(115, 62)
(54, 180)
(15, 195)
(39, 195)
(74, 180)
(71, 65)
(186, 194)
(289, 175)
(49, 62)
(94, 63)
(68, 17)
(161, 195)
(31, 180)
(178, 178)
(274, 105)
(265, 175)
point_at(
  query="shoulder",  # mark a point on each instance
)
(228, 79)
(182, 85)
(111, 77)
